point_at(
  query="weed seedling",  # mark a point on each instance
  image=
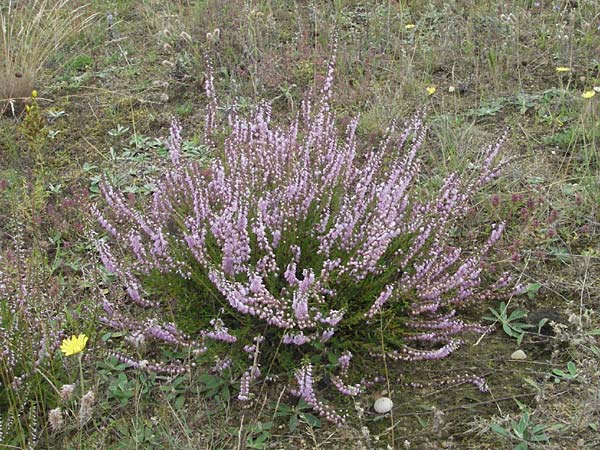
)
(523, 431)
(259, 437)
(561, 375)
(511, 323)
(296, 413)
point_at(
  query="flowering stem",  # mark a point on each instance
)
(387, 377)
(81, 374)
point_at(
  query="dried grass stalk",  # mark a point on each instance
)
(31, 31)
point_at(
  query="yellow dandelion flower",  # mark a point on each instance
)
(563, 69)
(588, 94)
(409, 26)
(34, 94)
(431, 90)
(73, 345)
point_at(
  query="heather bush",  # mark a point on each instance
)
(293, 245)
(30, 331)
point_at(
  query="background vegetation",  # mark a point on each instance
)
(105, 98)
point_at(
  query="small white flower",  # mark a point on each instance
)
(137, 339)
(85, 408)
(66, 392)
(55, 419)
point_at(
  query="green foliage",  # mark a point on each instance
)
(512, 323)
(532, 289)
(139, 432)
(524, 432)
(119, 386)
(259, 436)
(215, 387)
(175, 391)
(80, 63)
(296, 414)
(570, 375)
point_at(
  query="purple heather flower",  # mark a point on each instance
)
(284, 226)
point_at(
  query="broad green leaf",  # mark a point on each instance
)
(225, 394)
(539, 438)
(560, 373)
(282, 408)
(312, 420)
(508, 330)
(495, 313)
(532, 290)
(499, 430)
(516, 314)
(293, 422)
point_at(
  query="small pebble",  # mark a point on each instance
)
(383, 405)
(519, 354)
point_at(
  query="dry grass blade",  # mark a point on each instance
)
(31, 32)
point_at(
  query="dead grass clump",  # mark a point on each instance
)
(31, 32)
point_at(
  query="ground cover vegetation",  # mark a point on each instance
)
(237, 225)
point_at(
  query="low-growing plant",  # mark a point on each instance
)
(570, 375)
(295, 414)
(259, 436)
(214, 386)
(512, 324)
(524, 432)
(294, 243)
